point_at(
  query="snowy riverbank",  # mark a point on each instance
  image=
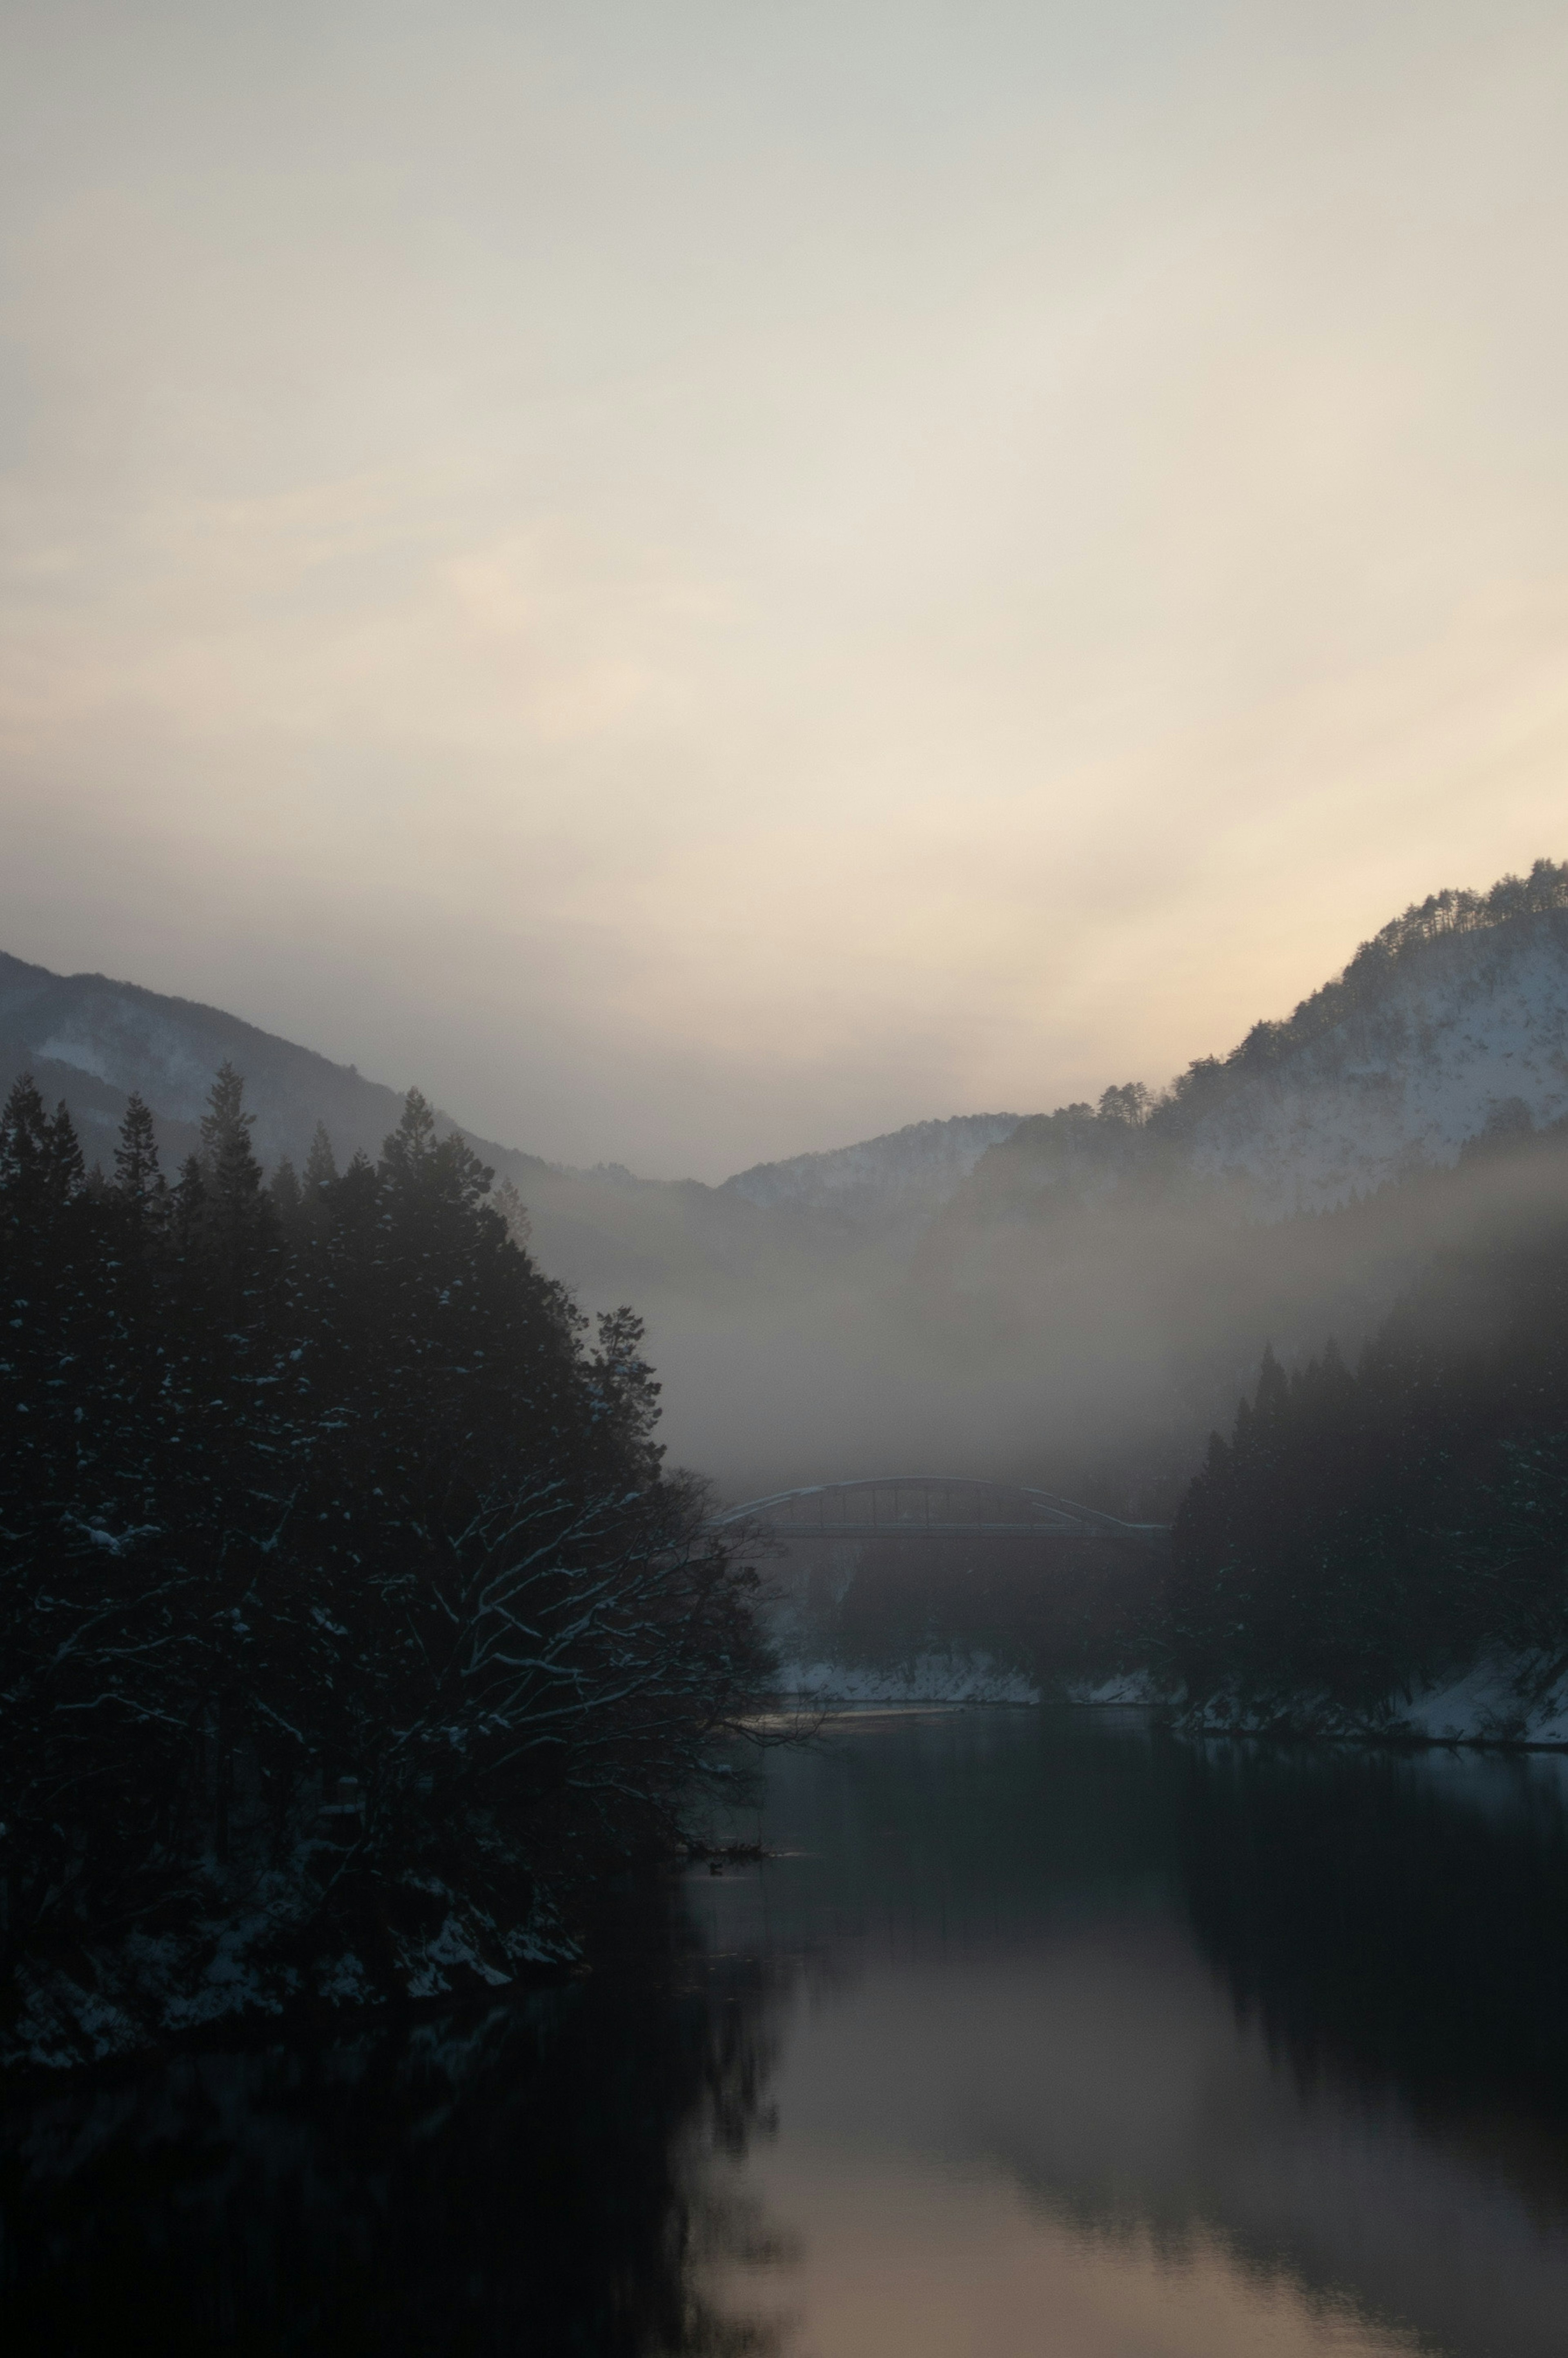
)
(1509, 1699)
(1519, 1699)
(106, 2002)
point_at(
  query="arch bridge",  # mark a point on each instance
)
(930, 1505)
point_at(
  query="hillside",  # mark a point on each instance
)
(93, 1041)
(899, 1179)
(1454, 1019)
(1071, 1298)
(1451, 1022)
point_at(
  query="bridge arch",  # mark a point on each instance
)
(930, 1505)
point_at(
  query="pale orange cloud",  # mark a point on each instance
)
(715, 593)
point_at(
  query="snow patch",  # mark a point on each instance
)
(1516, 1700)
(457, 1947)
(1127, 1687)
(1508, 1699)
(81, 1056)
(106, 2003)
(929, 1678)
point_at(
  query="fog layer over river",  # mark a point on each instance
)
(1039, 2033)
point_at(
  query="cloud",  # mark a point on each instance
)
(715, 595)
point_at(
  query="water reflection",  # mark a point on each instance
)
(1397, 1921)
(1039, 2034)
(530, 2177)
(1143, 2049)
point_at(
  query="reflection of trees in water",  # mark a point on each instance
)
(1395, 1922)
(528, 2177)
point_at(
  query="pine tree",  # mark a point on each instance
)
(320, 1165)
(65, 1173)
(353, 1502)
(236, 1211)
(509, 1203)
(188, 1207)
(288, 1199)
(27, 1155)
(139, 1184)
(1364, 1531)
(137, 1174)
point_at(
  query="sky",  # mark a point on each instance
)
(709, 580)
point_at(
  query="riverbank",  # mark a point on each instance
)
(1512, 1701)
(1508, 1701)
(265, 1966)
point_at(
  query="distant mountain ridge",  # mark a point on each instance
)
(964, 1293)
(94, 1041)
(918, 1168)
(1471, 1035)
(1451, 1019)
(1453, 1013)
(1451, 1022)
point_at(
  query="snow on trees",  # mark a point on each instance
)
(341, 1587)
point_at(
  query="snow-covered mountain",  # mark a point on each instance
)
(913, 1170)
(1068, 1298)
(1452, 1023)
(94, 1041)
(1453, 1020)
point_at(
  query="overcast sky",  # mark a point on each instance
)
(710, 579)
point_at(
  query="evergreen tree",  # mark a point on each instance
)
(30, 1166)
(237, 1217)
(1361, 1533)
(288, 1198)
(340, 1502)
(188, 1207)
(320, 1163)
(138, 1178)
(515, 1212)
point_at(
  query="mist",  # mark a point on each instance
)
(1083, 1339)
(784, 1174)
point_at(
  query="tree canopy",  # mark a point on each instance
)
(340, 1579)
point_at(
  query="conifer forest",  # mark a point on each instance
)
(1370, 1530)
(349, 1623)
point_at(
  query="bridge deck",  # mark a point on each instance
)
(920, 1506)
(1139, 1536)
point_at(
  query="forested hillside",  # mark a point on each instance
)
(1073, 1298)
(1370, 1531)
(349, 1628)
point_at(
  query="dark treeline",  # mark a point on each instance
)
(341, 1580)
(1367, 1529)
(1392, 1926)
(1060, 1616)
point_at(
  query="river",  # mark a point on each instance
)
(1038, 2033)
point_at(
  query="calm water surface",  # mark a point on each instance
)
(1038, 2035)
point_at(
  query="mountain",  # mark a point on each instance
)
(1069, 1298)
(93, 1041)
(1452, 1021)
(907, 1174)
